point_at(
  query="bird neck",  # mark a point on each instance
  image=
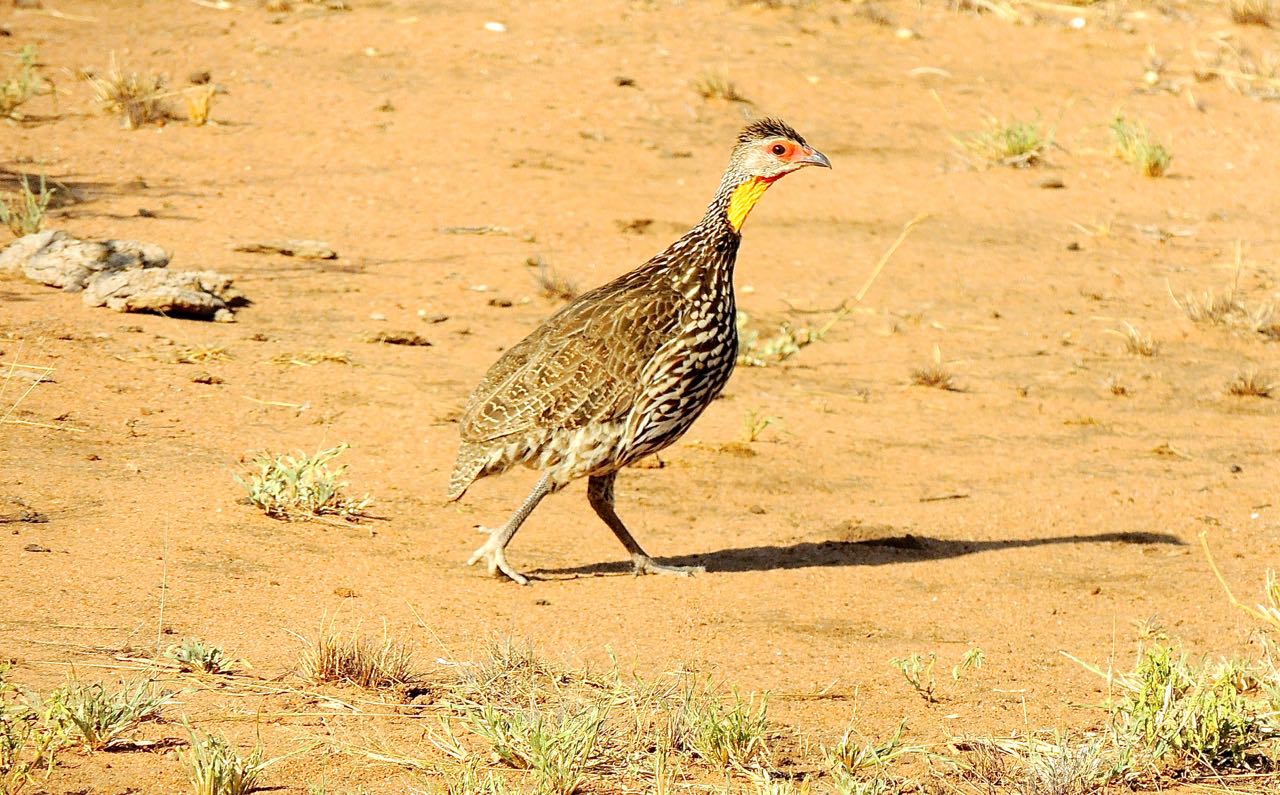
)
(741, 197)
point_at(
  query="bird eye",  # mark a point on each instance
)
(779, 150)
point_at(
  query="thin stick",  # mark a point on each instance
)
(845, 310)
(884, 259)
(164, 588)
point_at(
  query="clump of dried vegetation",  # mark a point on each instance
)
(301, 486)
(935, 374)
(137, 99)
(1230, 308)
(716, 86)
(1134, 145)
(356, 659)
(551, 283)
(1015, 143)
(1251, 383)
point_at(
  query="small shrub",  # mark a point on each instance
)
(96, 714)
(24, 213)
(214, 767)
(1134, 146)
(301, 487)
(194, 655)
(23, 84)
(918, 671)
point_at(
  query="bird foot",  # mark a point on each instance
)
(493, 552)
(643, 564)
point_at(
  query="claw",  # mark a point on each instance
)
(495, 557)
(643, 564)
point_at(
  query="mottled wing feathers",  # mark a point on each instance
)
(582, 366)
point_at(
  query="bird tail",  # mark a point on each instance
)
(470, 462)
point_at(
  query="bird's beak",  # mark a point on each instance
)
(812, 157)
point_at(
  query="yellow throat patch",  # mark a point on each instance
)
(743, 198)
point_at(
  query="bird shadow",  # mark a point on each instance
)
(879, 551)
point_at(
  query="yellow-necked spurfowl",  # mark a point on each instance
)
(625, 369)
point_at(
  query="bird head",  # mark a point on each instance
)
(767, 150)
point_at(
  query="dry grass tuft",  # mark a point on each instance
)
(1252, 12)
(357, 660)
(1250, 383)
(1133, 145)
(138, 100)
(714, 86)
(1019, 144)
(1137, 343)
(311, 358)
(935, 375)
(551, 283)
(1229, 308)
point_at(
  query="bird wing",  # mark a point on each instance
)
(581, 366)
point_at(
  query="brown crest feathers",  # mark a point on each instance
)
(760, 129)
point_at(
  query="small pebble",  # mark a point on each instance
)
(495, 27)
(377, 316)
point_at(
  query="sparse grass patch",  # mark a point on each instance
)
(1133, 144)
(355, 659)
(136, 99)
(755, 350)
(1175, 719)
(24, 213)
(194, 655)
(713, 86)
(723, 733)
(555, 746)
(28, 748)
(1249, 383)
(1009, 143)
(214, 767)
(23, 84)
(94, 715)
(863, 766)
(303, 487)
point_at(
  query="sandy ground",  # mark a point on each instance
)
(1034, 511)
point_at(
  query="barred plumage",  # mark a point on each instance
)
(625, 369)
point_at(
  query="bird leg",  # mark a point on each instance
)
(600, 494)
(493, 551)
